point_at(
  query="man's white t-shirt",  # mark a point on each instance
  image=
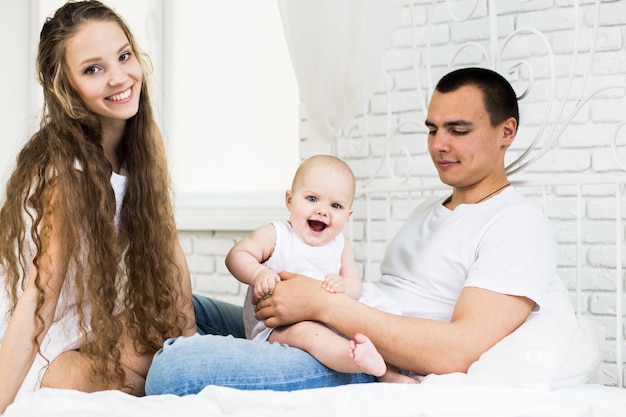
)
(504, 244)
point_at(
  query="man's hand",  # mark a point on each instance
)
(296, 298)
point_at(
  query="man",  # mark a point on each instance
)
(466, 271)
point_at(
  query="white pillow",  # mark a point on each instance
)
(552, 348)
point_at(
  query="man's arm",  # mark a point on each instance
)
(480, 319)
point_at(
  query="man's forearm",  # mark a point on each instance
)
(418, 345)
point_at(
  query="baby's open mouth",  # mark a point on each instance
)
(317, 226)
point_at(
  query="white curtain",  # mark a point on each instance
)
(337, 48)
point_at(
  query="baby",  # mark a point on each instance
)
(311, 243)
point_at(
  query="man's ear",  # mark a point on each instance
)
(509, 131)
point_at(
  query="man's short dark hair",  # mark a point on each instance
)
(499, 98)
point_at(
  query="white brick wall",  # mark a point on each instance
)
(583, 148)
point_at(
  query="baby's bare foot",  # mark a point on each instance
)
(363, 352)
(397, 378)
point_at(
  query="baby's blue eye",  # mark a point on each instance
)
(311, 199)
(336, 205)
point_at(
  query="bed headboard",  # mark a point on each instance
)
(569, 156)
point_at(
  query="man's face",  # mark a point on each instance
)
(464, 147)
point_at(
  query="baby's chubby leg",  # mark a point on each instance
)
(331, 349)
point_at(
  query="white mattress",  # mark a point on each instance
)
(436, 397)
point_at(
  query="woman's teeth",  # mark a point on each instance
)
(118, 97)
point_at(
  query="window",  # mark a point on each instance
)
(231, 112)
(231, 97)
(225, 96)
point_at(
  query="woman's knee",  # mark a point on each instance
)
(71, 370)
(74, 370)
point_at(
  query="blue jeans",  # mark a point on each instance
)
(220, 355)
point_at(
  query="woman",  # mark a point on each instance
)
(95, 277)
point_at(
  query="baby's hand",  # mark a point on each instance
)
(265, 282)
(333, 283)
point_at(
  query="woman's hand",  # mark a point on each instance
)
(296, 298)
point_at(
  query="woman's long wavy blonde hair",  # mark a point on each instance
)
(134, 265)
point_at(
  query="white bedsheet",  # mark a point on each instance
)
(432, 398)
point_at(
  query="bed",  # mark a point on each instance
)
(439, 398)
(489, 388)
